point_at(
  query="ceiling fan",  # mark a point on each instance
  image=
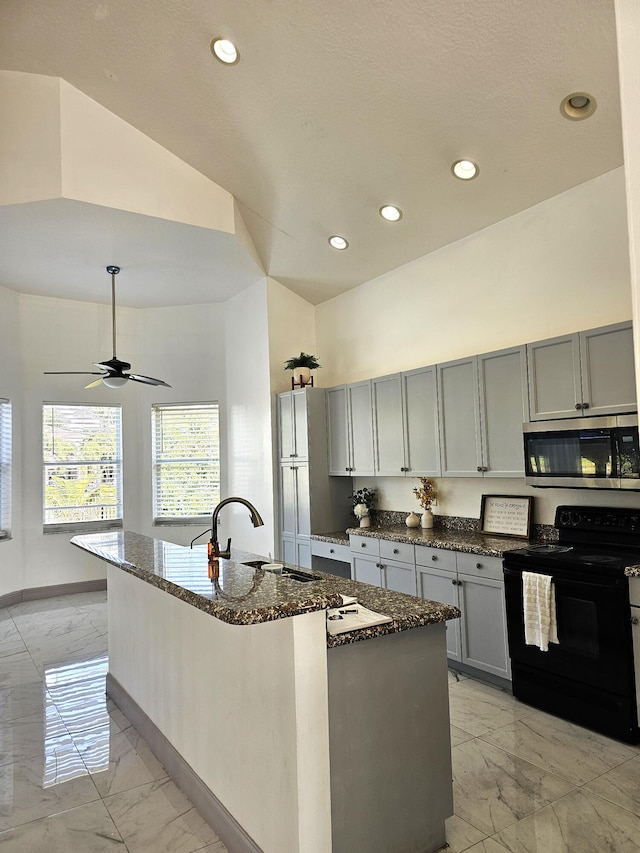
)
(112, 372)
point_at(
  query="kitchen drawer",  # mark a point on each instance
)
(331, 551)
(365, 545)
(400, 552)
(480, 566)
(634, 591)
(437, 558)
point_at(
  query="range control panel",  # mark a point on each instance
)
(604, 519)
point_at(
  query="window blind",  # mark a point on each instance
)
(5, 468)
(82, 466)
(186, 461)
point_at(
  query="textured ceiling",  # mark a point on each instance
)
(334, 109)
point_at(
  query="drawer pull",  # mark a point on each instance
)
(479, 566)
(331, 551)
(434, 558)
(395, 551)
(363, 544)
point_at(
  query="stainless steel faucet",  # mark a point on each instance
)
(214, 550)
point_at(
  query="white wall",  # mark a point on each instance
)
(182, 345)
(11, 561)
(560, 266)
(292, 329)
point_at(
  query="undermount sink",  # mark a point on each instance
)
(285, 572)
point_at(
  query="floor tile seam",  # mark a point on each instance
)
(606, 799)
(50, 815)
(531, 763)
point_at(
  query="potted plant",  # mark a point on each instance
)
(302, 365)
(362, 501)
(425, 493)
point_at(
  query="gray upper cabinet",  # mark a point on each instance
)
(405, 424)
(460, 418)
(585, 373)
(350, 430)
(504, 406)
(292, 425)
(608, 370)
(483, 403)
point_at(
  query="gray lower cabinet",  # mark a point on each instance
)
(399, 577)
(442, 585)
(584, 373)
(296, 551)
(484, 625)
(474, 584)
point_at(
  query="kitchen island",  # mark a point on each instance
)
(285, 737)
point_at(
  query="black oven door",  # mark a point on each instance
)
(594, 630)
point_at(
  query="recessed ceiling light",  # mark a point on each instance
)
(338, 242)
(390, 212)
(465, 170)
(578, 106)
(225, 51)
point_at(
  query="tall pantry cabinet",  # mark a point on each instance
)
(309, 500)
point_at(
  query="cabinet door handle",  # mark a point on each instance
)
(291, 454)
(459, 583)
(479, 468)
(585, 405)
(346, 469)
(634, 620)
(578, 406)
(454, 582)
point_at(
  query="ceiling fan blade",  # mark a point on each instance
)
(94, 384)
(72, 373)
(148, 380)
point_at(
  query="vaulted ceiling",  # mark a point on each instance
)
(333, 110)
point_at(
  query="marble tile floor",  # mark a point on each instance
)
(75, 776)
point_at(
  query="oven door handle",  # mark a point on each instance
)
(613, 582)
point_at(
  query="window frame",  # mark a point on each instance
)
(156, 464)
(6, 461)
(94, 524)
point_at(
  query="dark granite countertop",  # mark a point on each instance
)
(244, 595)
(336, 537)
(632, 571)
(468, 541)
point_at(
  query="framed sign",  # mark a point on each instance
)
(506, 515)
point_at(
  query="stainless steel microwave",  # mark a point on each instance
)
(596, 453)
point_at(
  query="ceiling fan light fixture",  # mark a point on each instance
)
(225, 51)
(465, 170)
(578, 106)
(115, 381)
(390, 212)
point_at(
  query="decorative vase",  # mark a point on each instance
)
(412, 520)
(426, 520)
(365, 521)
(302, 375)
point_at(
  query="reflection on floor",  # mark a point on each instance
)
(75, 777)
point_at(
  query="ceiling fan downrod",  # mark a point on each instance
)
(113, 272)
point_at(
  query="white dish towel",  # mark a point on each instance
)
(539, 603)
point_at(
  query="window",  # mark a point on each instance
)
(82, 456)
(186, 461)
(5, 468)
